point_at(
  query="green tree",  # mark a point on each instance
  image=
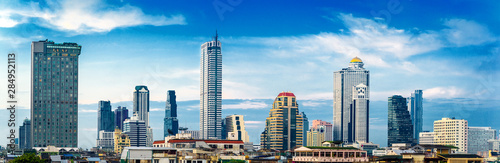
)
(28, 158)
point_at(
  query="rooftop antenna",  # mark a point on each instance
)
(216, 36)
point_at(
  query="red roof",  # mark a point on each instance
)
(206, 141)
(286, 94)
(159, 142)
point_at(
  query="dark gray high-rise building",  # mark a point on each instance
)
(416, 111)
(121, 113)
(105, 117)
(54, 94)
(24, 135)
(171, 124)
(399, 126)
(211, 90)
(137, 131)
(141, 103)
(305, 123)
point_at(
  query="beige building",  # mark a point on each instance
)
(315, 137)
(426, 138)
(121, 141)
(451, 131)
(235, 128)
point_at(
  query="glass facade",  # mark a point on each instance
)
(105, 117)
(24, 135)
(121, 113)
(416, 111)
(399, 128)
(171, 124)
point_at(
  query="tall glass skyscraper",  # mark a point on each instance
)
(54, 93)
(305, 122)
(211, 90)
(351, 103)
(105, 117)
(416, 111)
(121, 113)
(24, 135)
(399, 126)
(171, 124)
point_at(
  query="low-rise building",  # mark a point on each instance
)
(368, 147)
(149, 155)
(329, 154)
(234, 146)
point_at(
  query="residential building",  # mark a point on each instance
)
(211, 90)
(426, 137)
(106, 140)
(121, 113)
(195, 134)
(329, 154)
(105, 117)
(451, 131)
(416, 112)
(326, 126)
(24, 134)
(171, 124)
(494, 144)
(284, 128)
(121, 141)
(305, 122)
(233, 146)
(235, 128)
(137, 131)
(351, 103)
(478, 139)
(315, 136)
(54, 94)
(399, 126)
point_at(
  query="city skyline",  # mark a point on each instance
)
(452, 57)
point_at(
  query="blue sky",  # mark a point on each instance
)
(448, 49)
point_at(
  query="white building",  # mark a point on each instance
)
(494, 144)
(351, 122)
(478, 139)
(426, 138)
(195, 134)
(106, 140)
(235, 128)
(149, 154)
(451, 131)
(211, 90)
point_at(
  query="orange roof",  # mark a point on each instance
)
(206, 141)
(159, 142)
(286, 94)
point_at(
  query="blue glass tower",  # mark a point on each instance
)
(171, 124)
(416, 110)
(121, 113)
(399, 126)
(105, 117)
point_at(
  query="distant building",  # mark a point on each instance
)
(121, 141)
(141, 103)
(137, 131)
(426, 137)
(329, 154)
(235, 128)
(121, 113)
(106, 140)
(368, 147)
(351, 103)
(105, 117)
(478, 139)
(451, 131)
(284, 128)
(400, 128)
(55, 96)
(416, 112)
(326, 126)
(171, 124)
(211, 90)
(315, 136)
(24, 134)
(195, 134)
(305, 122)
(494, 144)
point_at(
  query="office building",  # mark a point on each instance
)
(211, 90)
(24, 134)
(121, 113)
(121, 141)
(141, 103)
(416, 111)
(171, 124)
(351, 103)
(494, 144)
(399, 126)
(105, 117)
(195, 134)
(54, 94)
(305, 122)
(284, 128)
(106, 140)
(478, 139)
(426, 137)
(451, 131)
(137, 131)
(235, 128)
(326, 126)
(315, 137)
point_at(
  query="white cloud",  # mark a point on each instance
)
(83, 18)
(246, 105)
(443, 92)
(157, 109)
(313, 103)
(89, 129)
(466, 32)
(87, 111)
(255, 122)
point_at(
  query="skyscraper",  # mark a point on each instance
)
(399, 126)
(305, 122)
(235, 128)
(478, 139)
(416, 111)
(451, 131)
(351, 103)
(54, 94)
(136, 130)
(325, 126)
(284, 127)
(24, 134)
(141, 103)
(211, 90)
(105, 117)
(121, 113)
(171, 124)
